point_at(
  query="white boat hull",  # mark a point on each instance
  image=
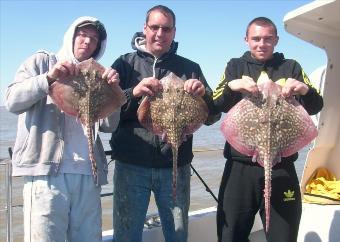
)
(319, 24)
(202, 228)
(319, 223)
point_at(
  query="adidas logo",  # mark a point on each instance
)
(288, 196)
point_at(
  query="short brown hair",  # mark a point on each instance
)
(262, 21)
(163, 9)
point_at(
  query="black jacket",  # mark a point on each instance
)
(278, 69)
(132, 143)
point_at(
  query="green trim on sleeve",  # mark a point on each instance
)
(220, 88)
(308, 82)
(306, 79)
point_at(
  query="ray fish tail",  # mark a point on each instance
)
(174, 172)
(89, 132)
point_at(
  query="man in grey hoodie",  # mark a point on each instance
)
(61, 198)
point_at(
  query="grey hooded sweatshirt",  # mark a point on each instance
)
(39, 144)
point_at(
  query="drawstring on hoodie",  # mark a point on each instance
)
(154, 68)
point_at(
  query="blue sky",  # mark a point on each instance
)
(208, 32)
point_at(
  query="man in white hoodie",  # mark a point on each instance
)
(61, 197)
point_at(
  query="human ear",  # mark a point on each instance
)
(144, 29)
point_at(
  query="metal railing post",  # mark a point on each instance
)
(9, 199)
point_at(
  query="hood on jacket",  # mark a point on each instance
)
(66, 51)
(138, 43)
(276, 59)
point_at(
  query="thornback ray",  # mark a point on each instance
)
(268, 127)
(173, 114)
(88, 97)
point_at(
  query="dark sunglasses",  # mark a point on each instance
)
(155, 28)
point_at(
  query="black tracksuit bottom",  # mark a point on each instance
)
(241, 197)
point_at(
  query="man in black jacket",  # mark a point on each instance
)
(143, 160)
(240, 195)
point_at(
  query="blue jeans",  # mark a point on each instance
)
(131, 196)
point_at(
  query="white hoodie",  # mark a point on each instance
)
(39, 144)
(66, 51)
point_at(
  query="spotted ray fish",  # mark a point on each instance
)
(173, 114)
(267, 128)
(88, 97)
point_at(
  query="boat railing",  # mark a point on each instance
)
(8, 188)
